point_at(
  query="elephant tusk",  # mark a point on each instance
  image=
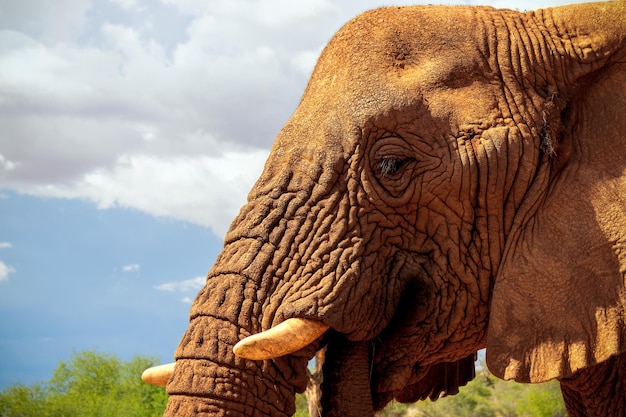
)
(289, 336)
(158, 375)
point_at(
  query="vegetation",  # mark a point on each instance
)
(94, 384)
(89, 384)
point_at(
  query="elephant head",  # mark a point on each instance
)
(453, 178)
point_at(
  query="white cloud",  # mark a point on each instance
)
(5, 270)
(131, 268)
(193, 284)
(5, 245)
(127, 4)
(305, 61)
(204, 190)
(7, 165)
(54, 21)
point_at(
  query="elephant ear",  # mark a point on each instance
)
(559, 300)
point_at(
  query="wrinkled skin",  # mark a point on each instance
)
(453, 179)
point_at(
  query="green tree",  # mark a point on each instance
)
(19, 400)
(544, 400)
(89, 384)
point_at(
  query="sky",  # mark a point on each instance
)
(130, 134)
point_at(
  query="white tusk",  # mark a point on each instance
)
(158, 375)
(289, 336)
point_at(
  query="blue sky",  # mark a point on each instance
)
(131, 132)
(117, 281)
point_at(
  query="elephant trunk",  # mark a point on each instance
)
(235, 303)
(256, 284)
(347, 376)
(208, 376)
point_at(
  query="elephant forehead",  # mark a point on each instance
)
(394, 39)
(382, 60)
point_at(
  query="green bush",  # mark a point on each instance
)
(90, 384)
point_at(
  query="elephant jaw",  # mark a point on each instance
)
(287, 337)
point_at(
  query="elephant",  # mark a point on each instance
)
(453, 179)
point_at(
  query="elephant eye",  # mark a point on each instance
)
(390, 166)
